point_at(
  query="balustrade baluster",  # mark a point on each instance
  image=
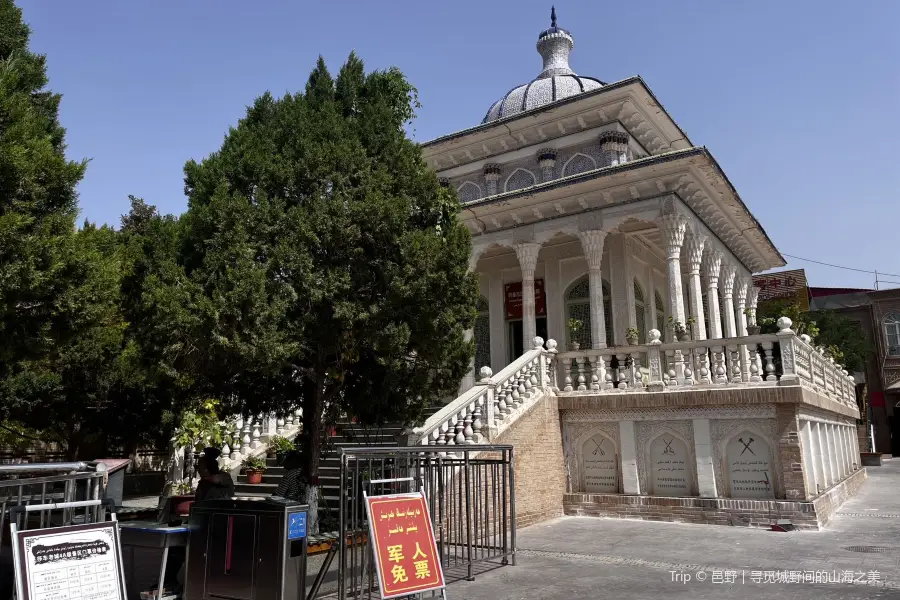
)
(702, 361)
(502, 406)
(468, 432)
(622, 373)
(637, 377)
(279, 426)
(526, 383)
(567, 368)
(595, 371)
(718, 366)
(245, 437)
(442, 436)
(522, 396)
(460, 428)
(579, 361)
(670, 368)
(477, 436)
(435, 438)
(734, 361)
(607, 371)
(770, 361)
(755, 376)
(535, 368)
(689, 365)
(256, 442)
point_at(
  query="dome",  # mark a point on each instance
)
(556, 80)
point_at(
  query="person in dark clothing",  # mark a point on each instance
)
(293, 483)
(214, 483)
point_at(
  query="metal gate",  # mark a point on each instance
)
(471, 497)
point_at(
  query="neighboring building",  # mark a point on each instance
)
(886, 316)
(587, 201)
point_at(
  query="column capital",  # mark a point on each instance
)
(592, 244)
(752, 294)
(695, 245)
(740, 291)
(477, 251)
(673, 229)
(527, 253)
(727, 280)
(713, 265)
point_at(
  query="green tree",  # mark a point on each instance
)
(38, 203)
(842, 338)
(332, 263)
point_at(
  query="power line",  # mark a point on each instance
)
(839, 266)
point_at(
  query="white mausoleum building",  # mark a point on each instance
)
(587, 202)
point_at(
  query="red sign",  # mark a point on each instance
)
(513, 295)
(406, 554)
(876, 399)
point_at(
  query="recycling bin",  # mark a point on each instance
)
(246, 550)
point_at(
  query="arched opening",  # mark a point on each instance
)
(599, 465)
(640, 312)
(520, 179)
(749, 464)
(579, 163)
(660, 314)
(482, 335)
(578, 306)
(468, 192)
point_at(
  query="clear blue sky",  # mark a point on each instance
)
(797, 100)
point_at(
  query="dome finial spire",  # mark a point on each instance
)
(552, 16)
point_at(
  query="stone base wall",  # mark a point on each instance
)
(717, 511)
(539, 463)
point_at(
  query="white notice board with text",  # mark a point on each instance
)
(77, 562)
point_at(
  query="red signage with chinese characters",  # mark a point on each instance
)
(513, 299)
(402, 537)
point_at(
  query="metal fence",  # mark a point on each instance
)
(47, 485)
(471, 495)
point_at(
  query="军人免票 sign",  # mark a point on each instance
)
(403, 541)
(512, 295)
(69, 563)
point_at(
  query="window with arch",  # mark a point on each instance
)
(578, 306)
(468, 192)
(660, 313)
(521, 178)
(640, 310)
(482, 335)
(892, 334)
(578, 164)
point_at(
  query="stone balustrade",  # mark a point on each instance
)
(781, 358)
(483, 412)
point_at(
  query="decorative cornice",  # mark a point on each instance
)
(612, 136)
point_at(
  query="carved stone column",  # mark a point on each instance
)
(728, 273)
(741, 285)
(491, 177)
(592, 244)
(547, 162)
(752, 299)
(695, 246)
(469, 379)
(673, 228)
(713, 266)
(527, 254)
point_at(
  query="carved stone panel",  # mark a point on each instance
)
(575, 438)
(600, 465)
(670, 466)
(724, 433)
(650, 452)
(749, 467)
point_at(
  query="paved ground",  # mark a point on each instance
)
(586, 558)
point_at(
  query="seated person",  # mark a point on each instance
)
(293, 484)
(215, 484)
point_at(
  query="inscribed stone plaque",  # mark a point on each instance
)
(749, 467)
(600, 466)
(669, 466)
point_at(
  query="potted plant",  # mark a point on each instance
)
(254, 467)
(280, 446)
(678, 330)
(632, 336)
(574, 326)
(751, 329)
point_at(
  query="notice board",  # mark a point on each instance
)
(406, 555)
(76, 562)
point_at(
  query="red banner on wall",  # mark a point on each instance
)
(406, 555)
(876, 398)
(513, 299)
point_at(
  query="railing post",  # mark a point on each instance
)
(656, 383)
(786, 340)
(552, 365)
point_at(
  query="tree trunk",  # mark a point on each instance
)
(313, 391)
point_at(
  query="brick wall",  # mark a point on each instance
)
(540, 472)
(787, 437)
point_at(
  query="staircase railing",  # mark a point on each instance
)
(480, 414)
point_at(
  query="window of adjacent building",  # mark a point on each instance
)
(892, 334)
(578, 306)
(640, 309)
(482, 336)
